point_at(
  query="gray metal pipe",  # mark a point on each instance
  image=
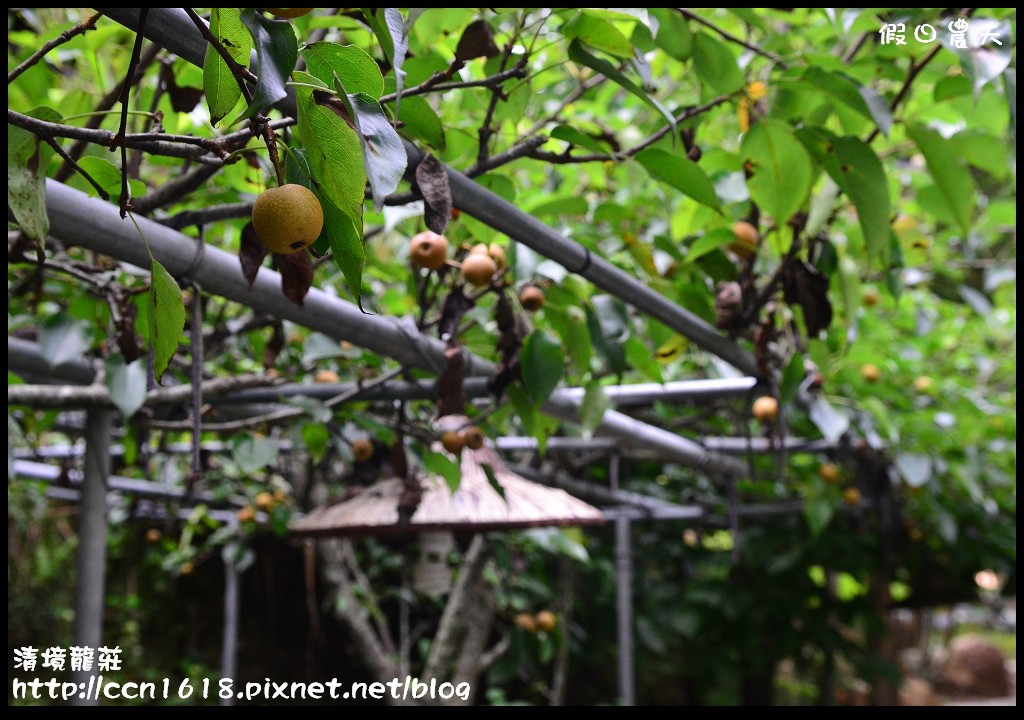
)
(78, 219)
(229, 642)
(25, 356)
(175, 31)
(624, 608)
(90, 593)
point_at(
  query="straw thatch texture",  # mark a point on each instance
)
(475, 506)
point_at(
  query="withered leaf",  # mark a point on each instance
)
(803, 285)
(183, 98)
(335, 104)
(124, 329)
(251, 253)
(432, 184)
(454, 307)
(477, 41)
(274, 345)
(296, 275)
(451, 396)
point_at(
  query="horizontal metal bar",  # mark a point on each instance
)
(25, 356)
(88, 222)
(176, 32)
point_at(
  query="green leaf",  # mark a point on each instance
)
(849, 274)
(598, 34)
(315, 436)
(349, 64)
(276, 54)
(108, 177)
(673, 33)
(334, 151)
(581, 57)
(818, 510)
(792, 376)
(421, 122)
(681, 173)
(984, 63)
(542, 361)
(864, 100)
(63, 339)
(858, 172)
(709, 242)
(166, 317)
(948, 170)
(444, 466)
(389, 27)
(780, 169)
(219, 85)
(383, 152)
(346, 246)
(574, 137)
(126, 383)
(639, 355)
(253, 453)
(562, 207)
(592, 410)
(951, 86)
(570, 322)
(716, 64)
(609, 329)
(27, 161)
(831, 422)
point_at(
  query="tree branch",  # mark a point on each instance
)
(732, 38)
(434, 84)
(97, 395)
(125, 200)
(566, 158)
(453, 623)
(80, 28)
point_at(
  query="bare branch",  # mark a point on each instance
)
(97, 395)
(80, 28)
(434, 84)
(732, 38)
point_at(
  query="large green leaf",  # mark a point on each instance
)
(444, 466)
(673, 34)
(276, 53)
(252, 452)
(864, 100)
(334, 151)
(542, 359)
(126, 383)
(609, 329)
(681, 173)
(949, 171)
(716, 64)
(383, 152)
(63, 339)
(858, 172)
(351, 65)
(575, 137)
(780, 169)
(592, 410)
(718, 238)
(389, 27)
(166, 317)
(598, 34)
(420, 122)
(108, 176)
(346, 246)
(27, 160)
(219, 84)
(580, 56)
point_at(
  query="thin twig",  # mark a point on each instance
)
(70, 162)
(125, 199)
(433, 84)
(149, 55)
(35, 57)
(175, 189)
(567, 157)
(732, 38)
(277, 416)
(913, 72)
(241, 74)
(203, 216)
(589, 84)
